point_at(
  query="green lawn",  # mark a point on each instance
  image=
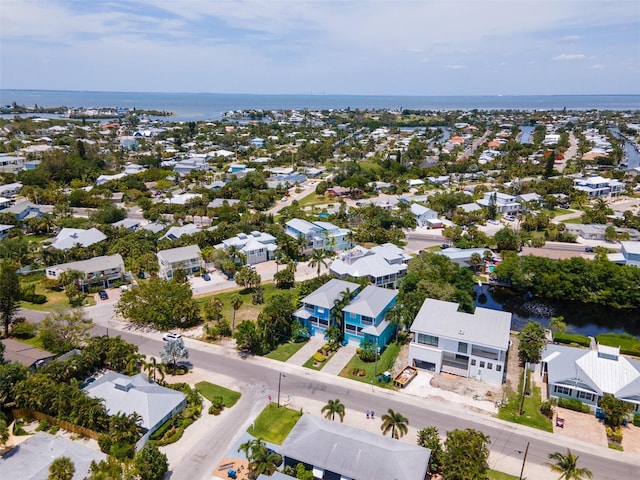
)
(531, 415)
(210, 391)
(571, 338)
(385, 362)
(285, 351)
(628, 343)
(274, 423)
(33, 341)
(495, 475)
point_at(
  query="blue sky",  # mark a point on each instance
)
(373, 47)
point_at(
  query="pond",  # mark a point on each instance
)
(584, 318)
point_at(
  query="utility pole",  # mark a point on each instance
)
(524, 460)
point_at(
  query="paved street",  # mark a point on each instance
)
(258, 378)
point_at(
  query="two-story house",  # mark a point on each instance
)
(319, 307)
(383, 265)
(257, 246)
(319, 235)
(4, 230)
(597, 186)
(187, 259)
(504, 203)
(425, 217)
(70, 237)
(365, 316)
(103, 271)
(469, 345)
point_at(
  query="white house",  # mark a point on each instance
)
(70, 237)
(629, 254)
(257, 246)
(587, 374)
(469, 345)
(504, 203)
(318, 235)
(383, 265)
(9, 190)
(186, 258)
(597, 186)
(104, 270)
(177, 231)
(425, 217)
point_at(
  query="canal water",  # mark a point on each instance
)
(631, 152)
(526, 134)
(583, 318)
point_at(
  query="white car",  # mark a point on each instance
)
(171, 337)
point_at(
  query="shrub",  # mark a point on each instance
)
(570, 338)
(35, 298)
(217, 405)
(636, 419)
(53, 430)
(122, 450)
(104, 442)
(43, 426)
(573, 404)
(319, 357)
(614, 434)
(546, 408)
(24, 330)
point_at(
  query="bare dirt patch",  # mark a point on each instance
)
(467, 387)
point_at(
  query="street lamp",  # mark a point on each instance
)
(375, 365)
(279, 384)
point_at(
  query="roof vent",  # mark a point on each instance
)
(460, 332)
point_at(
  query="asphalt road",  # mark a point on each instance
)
(257, 378)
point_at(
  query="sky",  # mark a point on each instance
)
(366, 47)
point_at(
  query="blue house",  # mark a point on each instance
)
(365, 317)
(318, 306)
(257, 142)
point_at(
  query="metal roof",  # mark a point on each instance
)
(353, 453)
(371, 301)
(179, 254)
(484, 327)
(331, 291)
(105, 262)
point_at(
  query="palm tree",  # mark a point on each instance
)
(236, 302)
(331, 408)
(396, 422)
(567, 466)
(61, 468)
(476, 261)
(263, 461)
(318, 258)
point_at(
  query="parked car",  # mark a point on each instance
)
(510, 218)
(103, 295)
(171, 337)
(444, 245)
(493, 222)
(588, 249)
(206, 277)
(284, 199)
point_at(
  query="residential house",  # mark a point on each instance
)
(28, 461)
(10, 190)
(128, 223)
(469, 345)
(24, 210)
(365, 316)
(383, 265)
(629, 254)
(587, 374)
(504, 203)
(425, 217)
(257, 247)
(177, 231)
(122, 394)
(188, 165)
(4, 230)
(597, 231)
(257, 142)
(25, 354)
(597, 186)
(221, 202)
(187, 259)
(71, 237)
(318, 235)
(181, 198)
(462, 256)
(318, 309)
(103, 271)
(102, 179)
(335, 451)
(11, 163)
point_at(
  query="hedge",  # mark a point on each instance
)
(573, 404)
(636, 419)
(569, 338)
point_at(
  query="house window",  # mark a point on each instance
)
(490, 365)
(462, 347)
(562, 390)
(427, 340)
(320, 310)
(586, 396)
(473, 362)
(481, 364)
(498, 368)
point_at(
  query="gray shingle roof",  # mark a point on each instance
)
(371, 301)
(352, 452)
(179, 254)
(484, 327)
(329, 293)
(105, 262)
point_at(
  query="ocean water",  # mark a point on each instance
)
(211, 106)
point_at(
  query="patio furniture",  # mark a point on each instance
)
(231, 473)
(559, 422)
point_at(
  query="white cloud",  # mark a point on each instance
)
(455, 67)
(597, 66)
(570, 56)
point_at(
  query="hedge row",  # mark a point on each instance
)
(573, 404)
(569, 338)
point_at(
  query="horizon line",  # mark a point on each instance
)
(323, 94)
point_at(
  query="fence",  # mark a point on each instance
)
(28, 413)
